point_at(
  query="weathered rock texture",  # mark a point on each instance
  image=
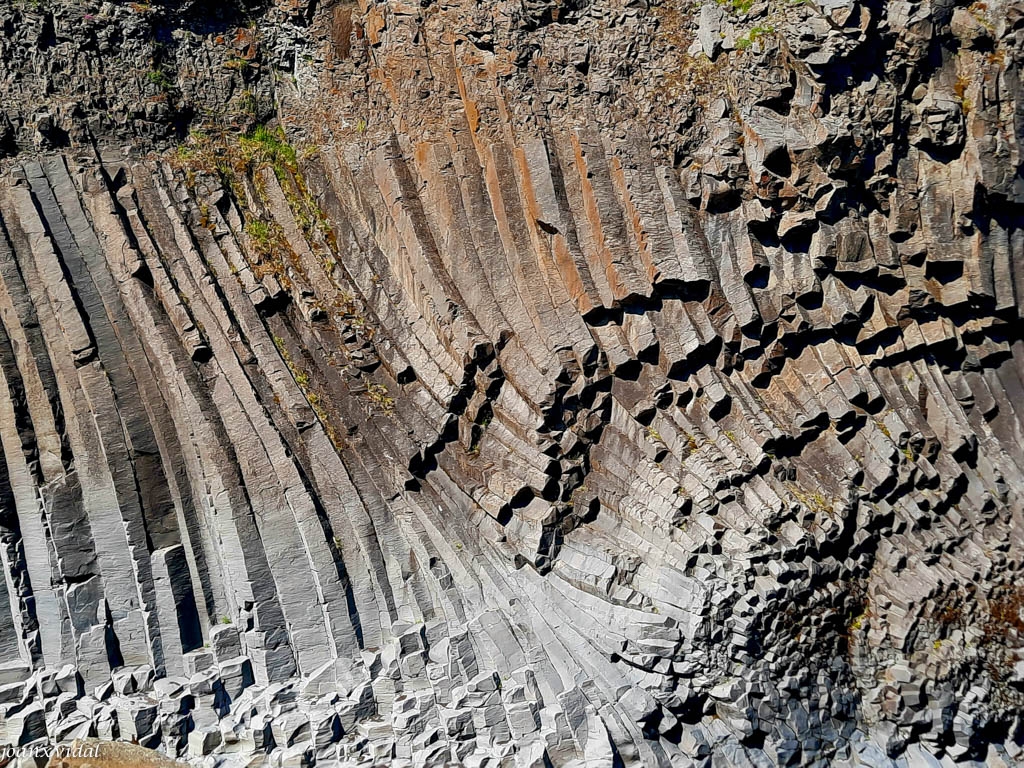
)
(569, 383)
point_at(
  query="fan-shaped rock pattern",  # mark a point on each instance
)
(540, 395)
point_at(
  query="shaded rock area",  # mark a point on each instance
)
(537, 382)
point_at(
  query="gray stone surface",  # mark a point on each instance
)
(543, 383)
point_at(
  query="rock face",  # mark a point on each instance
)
(541, 382)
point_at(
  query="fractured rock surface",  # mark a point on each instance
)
(551, 383)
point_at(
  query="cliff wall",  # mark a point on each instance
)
(528, 383)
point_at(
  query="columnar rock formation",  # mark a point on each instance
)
(527, 383)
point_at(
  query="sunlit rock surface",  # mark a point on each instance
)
(532, 383)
